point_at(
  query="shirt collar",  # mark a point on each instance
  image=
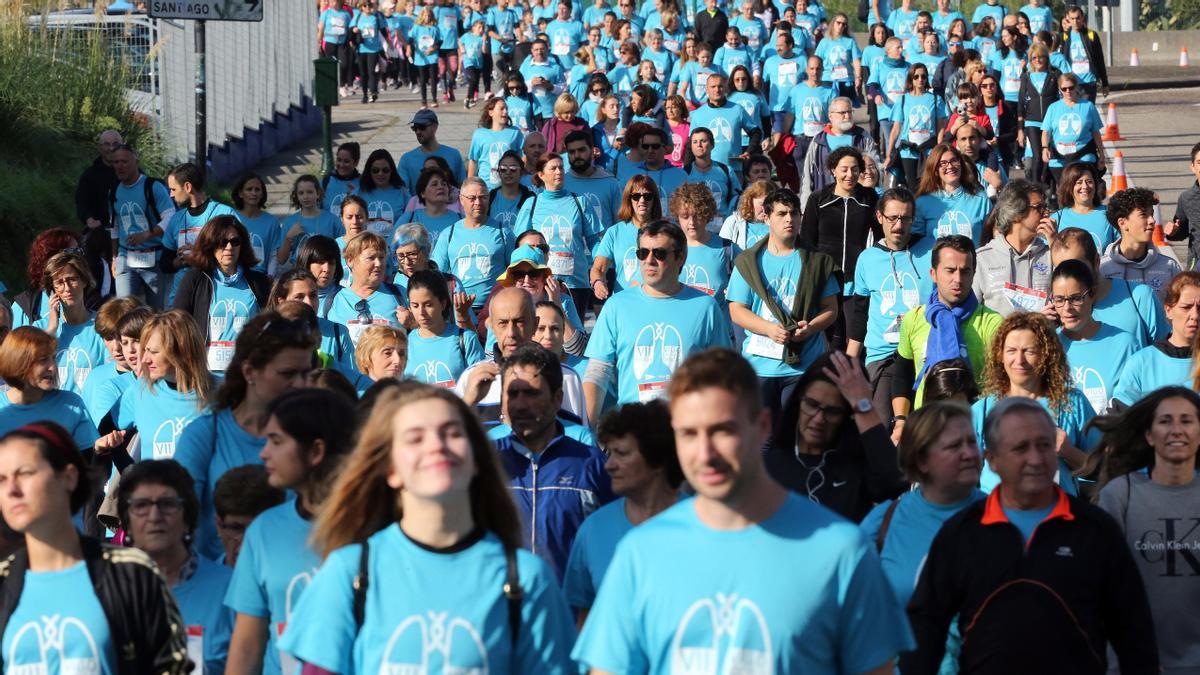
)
(529, 454)
(993, 512)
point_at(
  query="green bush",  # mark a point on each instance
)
(58, 91)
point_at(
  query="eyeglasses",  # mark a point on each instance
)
(409, 257)
(920, 77)
(531, 273)
(892, 220)
(168, 506)
(1040, 207)
(839, 112)
(66, 282)
(988, 86)
(947, 163)
(640, 196)
(363, 310)
(660, 254)
(812, 407)
(652, 146)
(1075, 300)
(232, 241)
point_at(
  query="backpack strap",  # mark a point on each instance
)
(513, 593)
(362, 581)
(152, 214)
(328, 304)
(887, 523)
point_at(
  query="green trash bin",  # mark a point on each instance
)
(325, 81)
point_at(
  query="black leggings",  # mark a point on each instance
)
(912, 171)
(487, 71)
(472, 74)
(1033, 137)
(429, 78)
(345, 61)
(366, 70)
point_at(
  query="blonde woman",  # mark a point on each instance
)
(382, 352)
(174, 388)
(423, 486)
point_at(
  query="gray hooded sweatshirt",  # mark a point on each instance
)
(1155, 269)
(1007, 281)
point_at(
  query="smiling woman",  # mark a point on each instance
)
(27, 364)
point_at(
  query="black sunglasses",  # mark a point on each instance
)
(652, 146)
(660, 254)
(640, 196)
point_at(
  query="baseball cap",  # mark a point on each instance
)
(423, 117)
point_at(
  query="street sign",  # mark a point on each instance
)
(207, 10)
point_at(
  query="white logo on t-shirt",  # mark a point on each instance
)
(226, 313)
(476, 256)
(457, 641)
(723, 623)
(78, 653)
(953, 221)
(433, 372)
(73, 363)
(910, 296)
(657, 351)
(1092, 385)
(165, 436)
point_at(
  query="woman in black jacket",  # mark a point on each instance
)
(1003, 115)
(1039, 88)
(70, 603)
(221, 290)
(845, 465)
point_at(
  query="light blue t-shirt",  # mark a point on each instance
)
(160, 413)
(233, 304)
(325, 224)
(727, 58)
(1135, 309)
(409, 166)
(98, 382)
(838, 55)
(1148, 369)
(1097, 364)
(1071, 128)
(441, 359)
(565, 37)
(543, 96)
(370, 32)
(997, 12)
(200, 599)
(63, 407)
(1080, 65)
(130, 213)
(810, 105)
(1095, 222)
(647, 337)
(600, 194)
(274, 568)
(207, 457)
(902, 23)
(433, 224)
(385, 209)
(918, 117)
(890, 79)
(80, 351)
(335, 22)
(265, 238)
(1027, 521)
(475, 255)
(915, 522)
(1040, 18)
(380, 305)
(781, 274)
(183, 229)
(722, 181)
(709, 266)
(472, 50)
(59, 626)
(728, 124)
(895, 282)
(781, 75)
(619, 246)
(592, 551)
(800, 592)
(413, 624)
(569, 229)
(424, 38)
(1072, 419)
(940, 213)
(487, 147)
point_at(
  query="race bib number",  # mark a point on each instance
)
(891, 334)
(195, 648)
(220, 353)
(337, 26)
(840, 73)
(812, 128)
(1066, 148)
(1012, 84)
(652, 391)
(139, 260)
(1081, 67)
(425, 42)
(368, 32)
(288, 664)
(562, 44)
(187, 237)
(562, 264)
(761, 345)
(1023, 298)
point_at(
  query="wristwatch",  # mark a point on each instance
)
(863, 405)
(898, 418)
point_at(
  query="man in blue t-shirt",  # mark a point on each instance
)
(136, 203)
(774, 582)
(424, 126)
(545, 78)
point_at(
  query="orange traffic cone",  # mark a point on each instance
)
(1119, 180)
(1183, 57)
(1112, 130)
(1133, 58)
(1160, 239)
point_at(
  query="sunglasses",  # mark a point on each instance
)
(652, 146)
(641, 196)
(380, 170)
(233, 241)
(1066, 89)
(517, 275)
(660, 254)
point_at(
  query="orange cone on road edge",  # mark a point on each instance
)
(1119, 181)
(1159, 238)
(1183, 57)
(1133, 58)
(1112, 130)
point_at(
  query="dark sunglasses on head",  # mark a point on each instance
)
(660, 254)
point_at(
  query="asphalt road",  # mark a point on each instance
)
(1160, 126)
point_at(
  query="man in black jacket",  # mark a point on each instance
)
(711, 24)
(92, 192)
(1039, 581)
(1081, 46)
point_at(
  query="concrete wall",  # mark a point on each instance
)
(1155, 47)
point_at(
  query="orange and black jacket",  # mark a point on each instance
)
(1046, 606)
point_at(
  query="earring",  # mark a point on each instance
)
(187, 539)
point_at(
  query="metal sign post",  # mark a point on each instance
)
(203, 11)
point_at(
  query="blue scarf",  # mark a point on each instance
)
(220, 277)
(945, 333)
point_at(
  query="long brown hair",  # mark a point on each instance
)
(184, 347)
(1055, 373)
(362, 503)
(932, 182)
(212, 238)
(263, 338)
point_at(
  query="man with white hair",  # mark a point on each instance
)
(839, 133)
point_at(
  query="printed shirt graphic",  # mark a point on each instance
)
(232, 306)
(336, 192)
(160, 414)
(619, 245)
(646, 338)
(708, 267)
(1071, 127)
(265, 238)
(1097, 363)
(46, 634)
(780, 273)
(941, 213)
(896, 282)
(476, 255)
(441, 359)
(385, 208)
(722, 183)
(782, 74)
(891, 80)
(838, 55)
(274, 568)
(1080, 64)
(80, 351)
(131, 214)
(200, 602)
(1095, 222)
(381, 304)
(569, 230)
(740, 613)
(810, 105)
(600, 195)
(325, 224)
(917, 117)
(413, 626)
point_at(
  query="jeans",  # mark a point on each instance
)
(147, 282)
(775, 394)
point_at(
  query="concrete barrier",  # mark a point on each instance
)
(1155, 47)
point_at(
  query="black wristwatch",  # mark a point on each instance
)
(898, 418)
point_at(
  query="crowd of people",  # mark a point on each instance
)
(674, 369)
